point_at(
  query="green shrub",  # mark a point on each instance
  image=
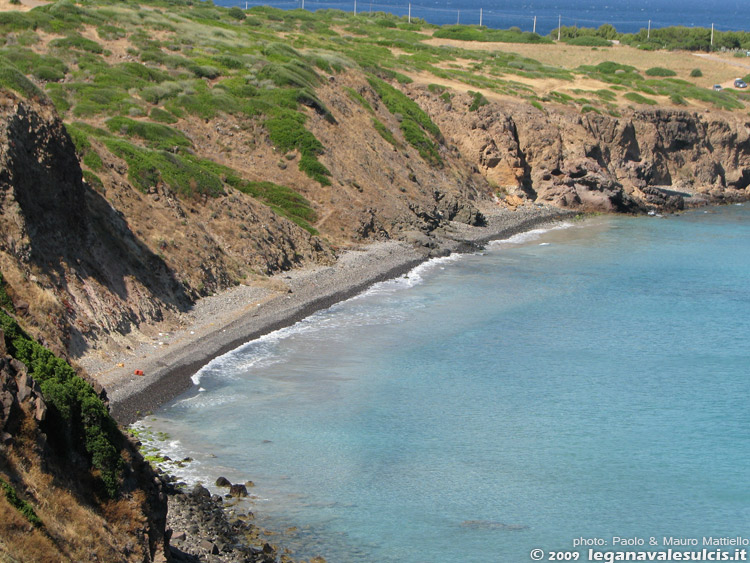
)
(186, 175)
(162, 116)
(415, 123)
(5, 300)
(588, 41)
(286, 129)
(93, 180)
(73, 400)
(77, 42)
(477, 100)
(93, 160)
(473, 33)
(21, 505)
(660, 71)
(156, 134)
(678, 100)
(284, 201)
(237, 13)
(696, 73)
(13, 79)
(359, 98)
(637, 98)
(385, 132)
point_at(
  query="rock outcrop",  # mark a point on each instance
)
(647, 159)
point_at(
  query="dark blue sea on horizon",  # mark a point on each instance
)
(589, 380)
(627, 16)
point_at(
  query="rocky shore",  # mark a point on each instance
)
(205, 528)
(223, 322)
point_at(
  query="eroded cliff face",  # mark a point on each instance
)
(647, 159)
(85, 267)
(91, 269)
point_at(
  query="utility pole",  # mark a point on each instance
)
(409, 12)
(355, 7)
(458, 17)
(559, 25)
(534, 25)
(648, 35)
(480, 17)
(712, 35)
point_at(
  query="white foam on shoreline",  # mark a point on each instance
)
(261, 352)
(529, 236)
(412, 278)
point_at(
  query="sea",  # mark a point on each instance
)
(628, 16)
(584, 382)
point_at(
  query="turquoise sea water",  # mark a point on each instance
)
(588, 381)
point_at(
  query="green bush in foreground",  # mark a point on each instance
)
(73, 400)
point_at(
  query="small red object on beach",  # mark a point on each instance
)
(139, 372)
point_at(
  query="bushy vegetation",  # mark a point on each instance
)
(589, 41)
(287, 131)
(416, 125)
(660, 71)
(71, 400)
(157, 135)
(21, 505)
(474, 33)
(13, 79)
(284, 201)
(639, 99)
(359, 98)
(186, 175)
(385, 132)
(5, 301)
(477, 100)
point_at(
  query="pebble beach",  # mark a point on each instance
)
(220, 323)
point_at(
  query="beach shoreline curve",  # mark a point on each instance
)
(168, 371)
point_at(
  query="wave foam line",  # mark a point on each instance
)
(533, 234)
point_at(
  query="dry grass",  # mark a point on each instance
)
(719, 69)
(75, 527)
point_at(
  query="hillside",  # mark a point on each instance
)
(205, 147)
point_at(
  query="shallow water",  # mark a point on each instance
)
(590, 381)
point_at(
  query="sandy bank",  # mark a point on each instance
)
(221, 323)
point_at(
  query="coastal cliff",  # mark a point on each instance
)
(86, 267)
